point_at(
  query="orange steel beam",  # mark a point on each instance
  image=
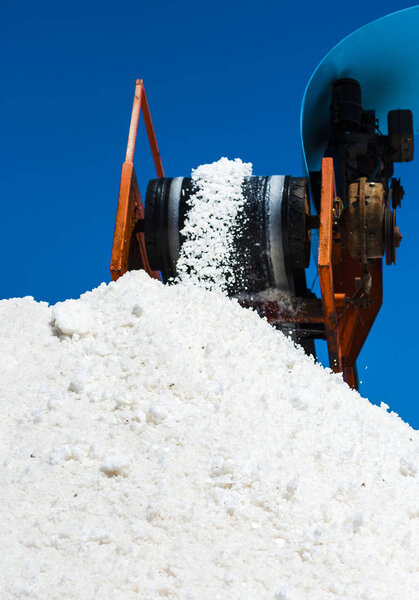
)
(349, 376)
(150, 133)
(124, 224)
(328, 195)
(347, 320)
(356, 320)
(130, 210)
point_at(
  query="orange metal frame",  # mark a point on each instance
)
(346, 321)
(129, 222)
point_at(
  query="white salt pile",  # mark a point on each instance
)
(207, 256)
(162, 442)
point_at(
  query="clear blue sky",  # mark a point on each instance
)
(223, 79)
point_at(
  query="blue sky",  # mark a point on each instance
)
(223, 79)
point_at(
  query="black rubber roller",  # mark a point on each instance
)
(296, 209)
(270, 239)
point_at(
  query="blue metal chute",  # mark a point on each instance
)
(384, 57)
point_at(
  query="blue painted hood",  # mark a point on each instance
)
(384, 57)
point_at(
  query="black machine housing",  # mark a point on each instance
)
(273, 239)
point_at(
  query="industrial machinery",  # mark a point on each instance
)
(351, 199)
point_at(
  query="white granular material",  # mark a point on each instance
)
(207, 257)
(162, 442)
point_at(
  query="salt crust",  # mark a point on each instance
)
(162, 442)
(207, 256)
